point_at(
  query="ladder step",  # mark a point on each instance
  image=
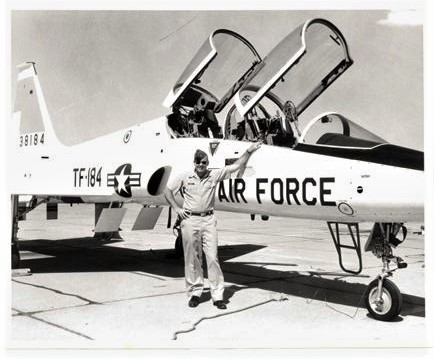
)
(347, 247)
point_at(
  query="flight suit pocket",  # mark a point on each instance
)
(208, 186)
(190, 186)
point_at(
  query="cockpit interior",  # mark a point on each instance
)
(265, 122)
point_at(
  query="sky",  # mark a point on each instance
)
(106, 70)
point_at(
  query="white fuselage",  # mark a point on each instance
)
(278, 181)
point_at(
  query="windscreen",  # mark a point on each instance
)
(336, 130)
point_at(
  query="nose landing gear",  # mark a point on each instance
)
(383, 298)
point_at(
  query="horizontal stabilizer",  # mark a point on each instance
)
(147, 218)
(110, 220)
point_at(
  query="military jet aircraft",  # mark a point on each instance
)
(334, 170)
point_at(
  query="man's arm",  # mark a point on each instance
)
(170, 197)
(243, 159)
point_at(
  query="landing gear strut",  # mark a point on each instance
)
(179, 249)
(15, 259)
(383, 298)
(18, 212)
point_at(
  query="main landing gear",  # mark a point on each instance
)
(383, 298)
(15, 259)
(18, 212)
(179, 249)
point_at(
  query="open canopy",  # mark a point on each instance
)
(215, 73)
(291, 76)
(299, 68)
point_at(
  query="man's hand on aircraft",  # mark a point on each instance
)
(255, 146)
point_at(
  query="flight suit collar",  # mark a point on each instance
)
(204, 177)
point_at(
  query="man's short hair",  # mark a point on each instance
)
(199, 155)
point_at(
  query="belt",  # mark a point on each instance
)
(204, 213)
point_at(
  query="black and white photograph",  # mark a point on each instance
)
(182, 178)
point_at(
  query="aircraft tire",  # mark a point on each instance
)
(392, 301)
(179, 249)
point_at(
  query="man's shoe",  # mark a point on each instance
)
(220, 304)
(194, 301)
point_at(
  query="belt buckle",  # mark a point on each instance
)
(202, 214)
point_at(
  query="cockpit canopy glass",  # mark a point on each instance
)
(299, 68)
(335, 130)
(215, 73)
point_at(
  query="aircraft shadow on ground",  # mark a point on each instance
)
(91, 255)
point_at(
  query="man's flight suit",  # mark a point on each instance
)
(199, 230)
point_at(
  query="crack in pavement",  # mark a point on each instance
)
(26, 313)
(226, 313)
(324, 291)
(22, 313)
(145, 275)
(60, 327)
(143, 297)
(31, 315)
(90, 302)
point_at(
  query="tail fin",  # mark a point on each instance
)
(33, 121)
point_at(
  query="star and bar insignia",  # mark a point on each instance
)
(123, 179)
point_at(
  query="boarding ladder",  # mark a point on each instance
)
(353, 230)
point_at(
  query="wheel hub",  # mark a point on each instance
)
(380, 305)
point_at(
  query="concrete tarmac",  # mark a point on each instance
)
(284, 288)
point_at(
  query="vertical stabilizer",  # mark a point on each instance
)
(33, 121)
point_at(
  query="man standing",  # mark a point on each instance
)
(198, 224)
